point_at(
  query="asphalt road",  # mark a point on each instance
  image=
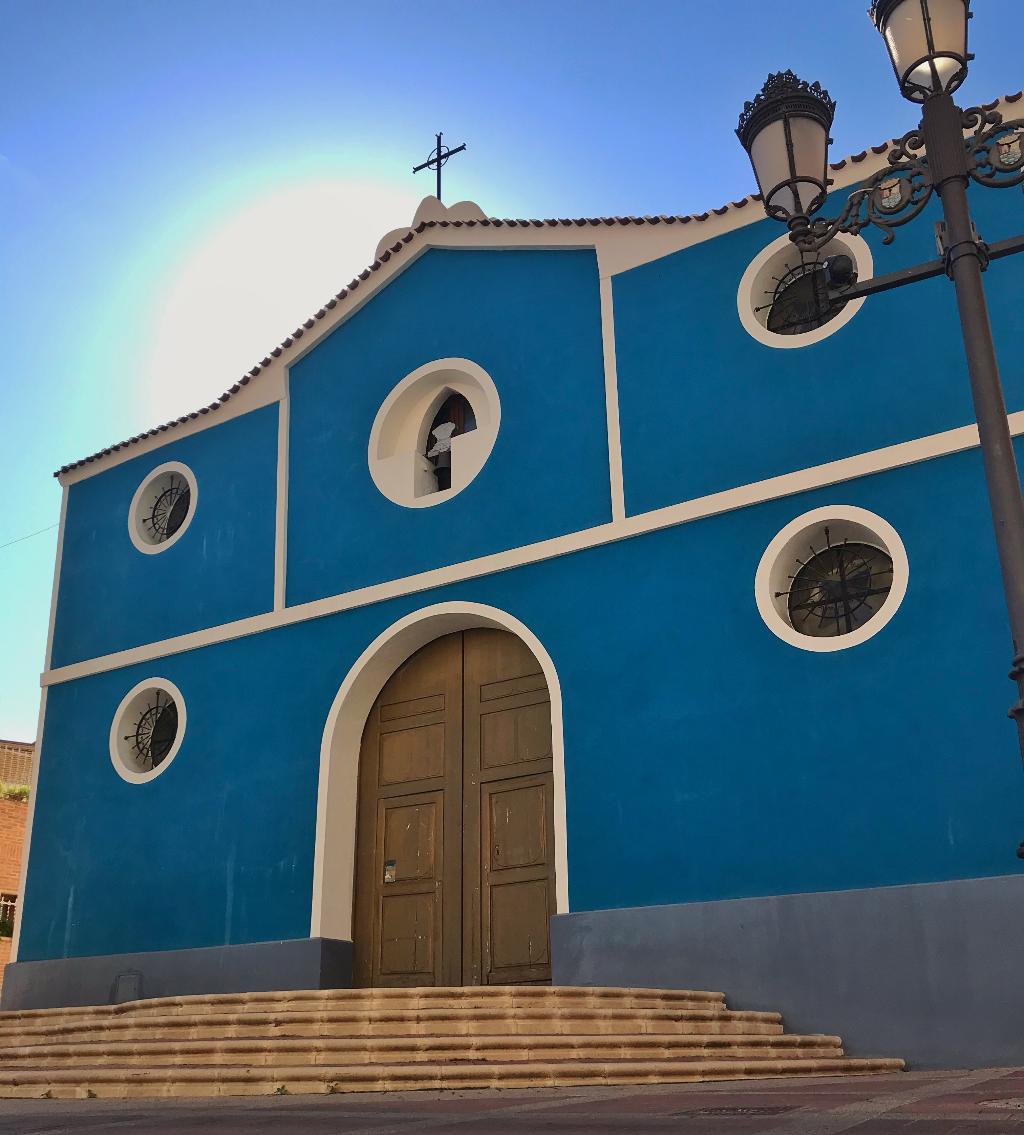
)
(948, 1103)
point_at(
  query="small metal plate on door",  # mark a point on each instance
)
(390, 874)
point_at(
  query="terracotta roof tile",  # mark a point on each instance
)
(399, 246)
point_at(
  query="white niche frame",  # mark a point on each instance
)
(779, 560)
(131, 704)
(755, 289)
(398, 437)
(145, 497)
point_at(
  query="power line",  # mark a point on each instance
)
(18, 540)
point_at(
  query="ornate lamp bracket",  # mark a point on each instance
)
(893, 197)
(995, 151)
(993, 156)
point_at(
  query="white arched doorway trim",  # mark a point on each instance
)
(334, 858)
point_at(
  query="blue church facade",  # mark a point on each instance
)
(830, 829)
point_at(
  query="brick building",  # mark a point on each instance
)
(15, 776)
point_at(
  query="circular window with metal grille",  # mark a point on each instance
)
(838, 588)
(832, 578)
(163, 507)
(147, 730)
(791, 298)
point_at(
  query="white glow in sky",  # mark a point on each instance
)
(254, 277)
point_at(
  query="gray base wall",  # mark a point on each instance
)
(933, 973)
(303, 963)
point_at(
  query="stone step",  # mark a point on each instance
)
(498, 1021)
(217, 1080)
(263, 1051)
(515, 996)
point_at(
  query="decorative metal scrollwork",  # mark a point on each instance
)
(896, 195)
(891, 199)
(996, 150)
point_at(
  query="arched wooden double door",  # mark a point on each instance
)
(455, 876)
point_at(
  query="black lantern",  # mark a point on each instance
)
(927, 42)
(785, 131)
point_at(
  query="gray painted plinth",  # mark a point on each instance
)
(303, 963)
(932, 972)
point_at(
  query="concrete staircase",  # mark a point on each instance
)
(374, 1040)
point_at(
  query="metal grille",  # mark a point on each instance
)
(8, 909)
(800, 301)
(169, 509)
(154, 732)
(838, 589)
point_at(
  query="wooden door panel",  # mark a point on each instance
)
(455, 841)
(533, 682)
(517, 829)
(409, 862)
(510, 736)
(407, 940)
(407, 927)
(412, 839)
(517, 879)
(394, 711)
(518, 931)
(509, 830)
(412, 754)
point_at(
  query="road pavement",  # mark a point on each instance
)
(917, 1103)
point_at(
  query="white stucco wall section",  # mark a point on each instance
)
(611, 397)
(334, 860)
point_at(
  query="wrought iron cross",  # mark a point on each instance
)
(437, 159)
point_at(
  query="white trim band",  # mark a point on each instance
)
(786, 484)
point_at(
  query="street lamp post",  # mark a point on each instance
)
(785, 131)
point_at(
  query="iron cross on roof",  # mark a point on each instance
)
(437, 159)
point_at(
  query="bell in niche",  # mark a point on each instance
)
(441, 454)
(454, 418)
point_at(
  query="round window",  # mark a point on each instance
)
(831, 579)
(162, 508)
(839, 589)
(434, 433)
(147, 730)
(792, 298)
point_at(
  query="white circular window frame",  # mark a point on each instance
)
(138, 509)
(398, 437)
(779, 559)
(754, 289)
(119, 750)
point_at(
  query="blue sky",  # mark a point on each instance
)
(182, 182)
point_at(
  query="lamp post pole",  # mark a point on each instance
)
(966, 259)
(784, 130)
